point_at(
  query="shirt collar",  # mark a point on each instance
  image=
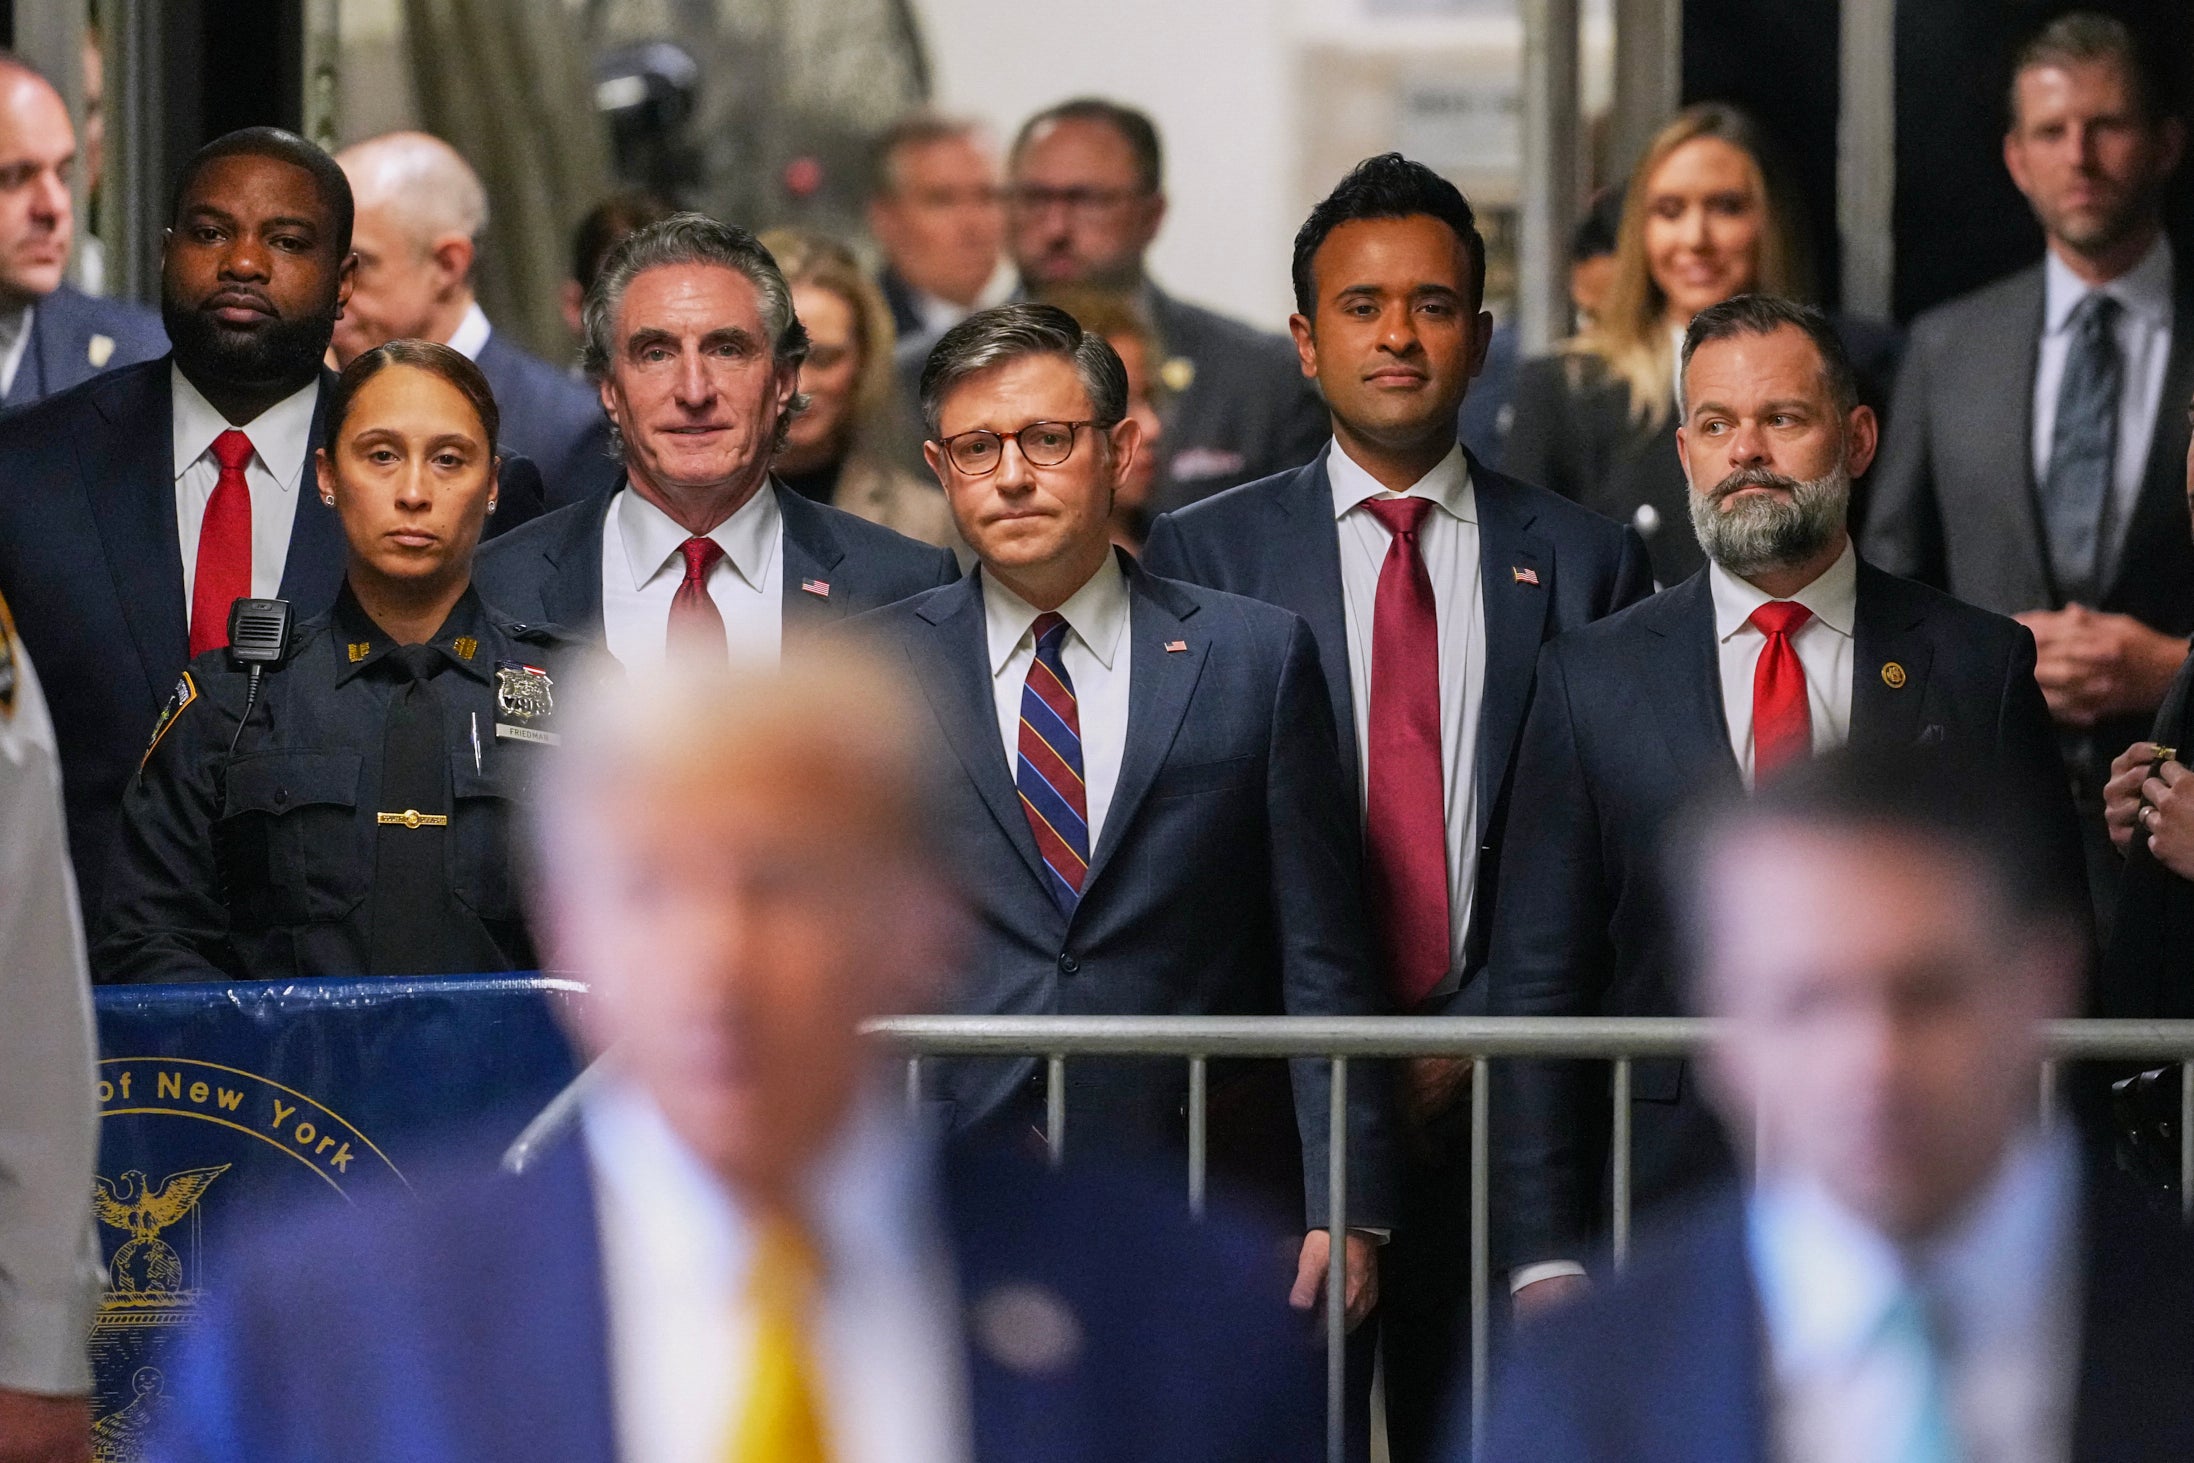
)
(1448, 484)
(2144, 290)
(14, 325)
(1833, 597)
(358, 644)
(1097, 612)
(471, 332)
(652, 537)
(280, 435)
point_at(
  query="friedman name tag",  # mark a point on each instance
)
(526, 734)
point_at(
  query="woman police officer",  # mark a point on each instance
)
(352, 815)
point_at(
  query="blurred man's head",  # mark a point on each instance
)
(421, 211)
(935, 207)
(1883, 947)
(2089, 143)
(1084, 194)
(1772, 433)
(37, 157)
(734, 861)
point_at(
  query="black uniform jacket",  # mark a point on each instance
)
(260, 867)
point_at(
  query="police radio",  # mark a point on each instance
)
(258, 638)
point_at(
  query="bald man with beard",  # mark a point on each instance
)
(421, 212)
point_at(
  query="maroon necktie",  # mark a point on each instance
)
(1405, 824)
(696, 625)
(223, 575)
(1782, 718)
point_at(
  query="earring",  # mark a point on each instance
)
(328, 498)
(491, 507)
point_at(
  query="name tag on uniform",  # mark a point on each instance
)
(505, 730)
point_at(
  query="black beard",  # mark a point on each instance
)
(280, 353)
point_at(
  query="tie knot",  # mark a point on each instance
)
(701, 556)
(785, 1269)
(1780, 617)
(1403, 517)
(2097, 313)
(420, 662)
(1050, 628)
(232, 449)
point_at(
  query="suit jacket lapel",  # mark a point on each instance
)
(1889, 664)
(1515, 621)
(1686, 684)
(571, 590)
(952, 665)
(127, 472)
(2159, 509)
(38, 365)
(1310, 544)
(1160, 685)
(2008, 353)
(812, 554)
(318, 552)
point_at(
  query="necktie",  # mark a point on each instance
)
(411, 918)
(781, 1420)
(1405, 819)
(223, 575)
(696, 625)
(1782, 717)
(2083, 451)
(1907, 1335)
(1050, 772)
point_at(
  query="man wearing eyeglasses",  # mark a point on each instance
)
(1085, 197)
(1139, 789)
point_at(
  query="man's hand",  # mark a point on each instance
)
(1552, 1293)
(36, 1429)
(2167, 818)
(2122, 794)
(1363, 1275)
(1432, 1084)
(2092, 665)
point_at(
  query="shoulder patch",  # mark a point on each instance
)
(179, 700)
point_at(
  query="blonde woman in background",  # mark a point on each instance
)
(848, 447)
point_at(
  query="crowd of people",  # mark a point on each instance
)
(990, 631)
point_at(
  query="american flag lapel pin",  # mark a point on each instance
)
(1174, 647)
(1525, 576)
(820, 588)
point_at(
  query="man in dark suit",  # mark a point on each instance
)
(1920, 1270)
(691, 333)
(2032, 461)
(1785, 644)
(52, 335)
(421, 211)
(935, 212)
(748, 1254)
(127, 522)
(1085, 196)
(1388, 275)
(1141, 795)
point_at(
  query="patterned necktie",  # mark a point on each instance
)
(1782, 717)
(696, 625)
(2083, 451)
(1050, 772)
(1405, 812)
(781, 1420)
(223, 575)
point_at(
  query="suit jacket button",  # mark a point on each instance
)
(1068, 965)
(281, 796)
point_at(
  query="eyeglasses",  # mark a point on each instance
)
(1043, 444)
(1085, 202)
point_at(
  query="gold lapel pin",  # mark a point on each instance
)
(1893, 676)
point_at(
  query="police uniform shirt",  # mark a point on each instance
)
(264, 866)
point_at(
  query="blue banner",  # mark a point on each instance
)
(219, 1103)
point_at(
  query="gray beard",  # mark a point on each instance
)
(1760, 534)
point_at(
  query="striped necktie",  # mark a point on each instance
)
(1050, 772)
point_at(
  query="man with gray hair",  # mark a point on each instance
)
(1786, 644)
(691, 336)
(421, 212)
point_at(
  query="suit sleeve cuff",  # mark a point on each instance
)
(1525, 1275)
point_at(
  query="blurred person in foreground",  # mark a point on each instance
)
(1709, 214)
(1085, 196)
(937, 215)
(49, 1125)
(697, 352)
(1114, 316)
(745, 1252)
(421, 212)
(846, 448)
(1921, 1268)
(1786, 645)
(2033, 463)
(52, 335)
(352, 813)
(604, 226)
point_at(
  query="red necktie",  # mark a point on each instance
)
(1782, 717)
(224, 546)
(1405, 824)
(696, 625)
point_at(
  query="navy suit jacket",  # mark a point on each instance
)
(1627, 730)
(551, 418)
(75, 336)
(474, 1325)
(550, 571)
(1278, 541)
(1668, 1364)
(1223, 882)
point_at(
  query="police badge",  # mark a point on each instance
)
(523, 693)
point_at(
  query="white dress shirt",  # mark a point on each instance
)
(14, 344)
(1824, 646)
(886, 1341)
(1448, 543)
(471, 333)
(2144, 349)
(1096, 652)
(642, 568)
(280, 437)
(2006, 1281)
